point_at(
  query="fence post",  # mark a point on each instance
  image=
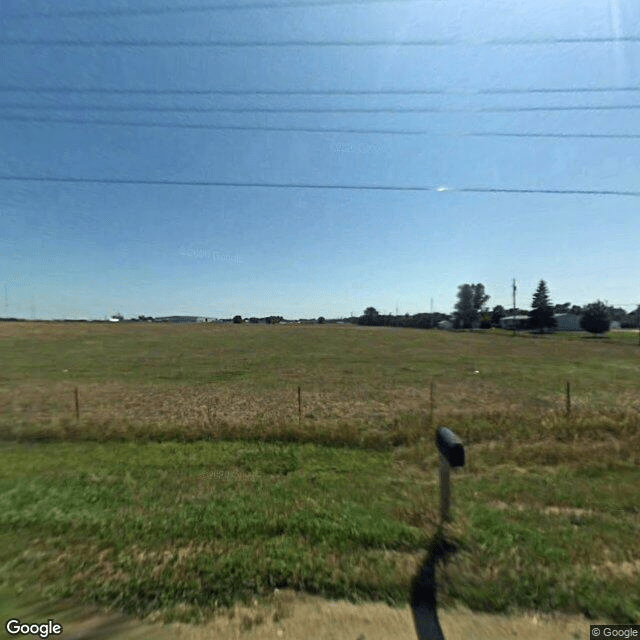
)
(299, 406)
(431, 395)
(445, 490)
(77, 403)
(451, 455)
(568, 399)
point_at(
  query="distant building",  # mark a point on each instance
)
(446, 325)
(517, 322)
(181, 319)
(567, 322)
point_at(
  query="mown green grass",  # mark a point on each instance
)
(188, 528)
(185, 486)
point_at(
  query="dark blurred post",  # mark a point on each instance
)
(514, 307)
(451, 455)
(431, 405)
(445, 490)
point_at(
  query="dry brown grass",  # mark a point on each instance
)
(372, 417)
(360, 386)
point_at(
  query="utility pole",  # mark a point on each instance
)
(515, 322)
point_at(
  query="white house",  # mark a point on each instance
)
(520, 322)
(566, 322)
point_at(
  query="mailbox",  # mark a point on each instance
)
(450, 447)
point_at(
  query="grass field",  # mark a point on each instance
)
(190, 481)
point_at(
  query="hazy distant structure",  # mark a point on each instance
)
(514, 322)
(567, 322)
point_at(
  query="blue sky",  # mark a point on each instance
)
(141, 244)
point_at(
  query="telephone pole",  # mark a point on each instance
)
(515, 322)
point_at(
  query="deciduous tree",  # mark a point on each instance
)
(595, 318)
(497, 314)
(471, 299)
(370, 316)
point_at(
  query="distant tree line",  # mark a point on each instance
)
(266, 320)
(372, 318)
(471, 311)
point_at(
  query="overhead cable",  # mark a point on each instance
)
(214, 127)
(292, 185)
(318, 92)
(451, 42)
(205, 8)
(162, 109)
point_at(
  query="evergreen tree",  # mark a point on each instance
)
(541, 314)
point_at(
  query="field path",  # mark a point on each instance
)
(313, 618)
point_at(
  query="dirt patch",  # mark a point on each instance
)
(626, 569)
(549, 510)
(302, 617)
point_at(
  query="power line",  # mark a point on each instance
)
(153, 108)
(152, 11)
(290, 185)
(498, 42)
(288, 129)
(327, 92)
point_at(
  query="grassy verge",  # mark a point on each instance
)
(190, 482)
(184, 529)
